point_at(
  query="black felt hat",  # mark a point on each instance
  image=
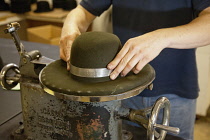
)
(69, 4)
(91, 52)
(58, 3)
(20, 6)
(4, 6)
(43, 6)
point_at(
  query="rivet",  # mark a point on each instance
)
(24, 60)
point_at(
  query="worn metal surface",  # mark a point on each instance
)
(46, 117)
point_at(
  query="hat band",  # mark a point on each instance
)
(90, 73)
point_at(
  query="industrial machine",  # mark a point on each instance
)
(52, 115)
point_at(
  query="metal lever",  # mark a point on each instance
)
(12, 28)
(34, 56)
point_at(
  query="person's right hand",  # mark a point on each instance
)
(67, 37)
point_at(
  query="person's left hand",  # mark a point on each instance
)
(137, 52)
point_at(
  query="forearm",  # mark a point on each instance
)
(192, 35)
(140, 50)
(78, 19)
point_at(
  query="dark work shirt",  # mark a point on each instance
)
(176, 70)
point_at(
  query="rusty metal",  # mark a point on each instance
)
(46, 117)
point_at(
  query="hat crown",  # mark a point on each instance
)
(94, 49)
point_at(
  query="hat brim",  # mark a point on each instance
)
(56, 80)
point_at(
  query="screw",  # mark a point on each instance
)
(24, 60)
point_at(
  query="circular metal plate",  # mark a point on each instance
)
(56, 80)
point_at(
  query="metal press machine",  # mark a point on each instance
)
(52, 115)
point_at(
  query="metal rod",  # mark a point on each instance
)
(174, 130)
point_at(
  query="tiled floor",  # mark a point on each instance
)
(202, 129)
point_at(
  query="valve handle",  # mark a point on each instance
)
(161, 103)
(8, 82)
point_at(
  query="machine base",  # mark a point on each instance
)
(11, 129)
(19, 135)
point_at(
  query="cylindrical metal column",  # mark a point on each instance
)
(47, 117)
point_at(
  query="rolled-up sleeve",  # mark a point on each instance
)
(96, 7)
(199, 5)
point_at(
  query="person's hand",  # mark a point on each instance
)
(77, 21)
(137, 52)
(67, 38)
